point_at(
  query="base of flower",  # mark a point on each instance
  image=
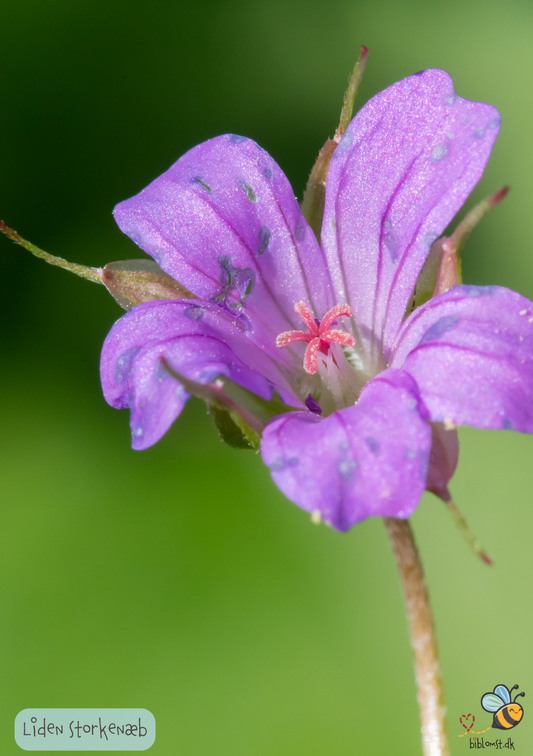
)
(423, 638)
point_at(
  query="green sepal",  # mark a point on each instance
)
(132, 282)
(235, 409)
(228, 430)
(442, 268)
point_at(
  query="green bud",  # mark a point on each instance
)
(315, 191)
(132, 282)
(442, 268)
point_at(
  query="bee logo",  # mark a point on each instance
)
(507, 713)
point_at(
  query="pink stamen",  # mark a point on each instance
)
(320, 335)
(289, 337)
(332, 315)
(301, 309)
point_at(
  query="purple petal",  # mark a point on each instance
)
(470, 351)
(367, 460)
(405, 166)
(198, 340)
(224, 222)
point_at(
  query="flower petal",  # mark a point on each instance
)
(200, 341)
(224, 222)
(367, 460)
(470, 351)
(401, 172)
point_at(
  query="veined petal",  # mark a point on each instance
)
(401, 172)
(198, 340)
(470, 351)
(367, 460)
(224, 222)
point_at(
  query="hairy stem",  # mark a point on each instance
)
(92, 274)
(423, 640)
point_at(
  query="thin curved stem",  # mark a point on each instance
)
(423, 639)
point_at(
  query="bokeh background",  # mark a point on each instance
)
(179, 579)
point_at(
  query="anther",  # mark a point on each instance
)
(319, 334)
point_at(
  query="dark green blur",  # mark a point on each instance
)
(179, 579)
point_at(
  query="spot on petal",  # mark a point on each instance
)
(194, 312)
(299, 232)
(281, 463)
(264, 240)
(372, 445)
(250, 193)
(439, 153)
(236, 139)
(479, 133)
(424, 467)
(344, 145)
(439, 328)
(494, 124)
(268, 173)
(237, 282)
(181, 394)
(161, 373)
(202, 183)
(123, 364)
(391, 243)
(346, 468)
(478, 291)
(507, 424)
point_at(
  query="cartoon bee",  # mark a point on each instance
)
(507, 714)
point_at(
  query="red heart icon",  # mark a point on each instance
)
(469, 724)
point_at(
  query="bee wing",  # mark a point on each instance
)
(503, 692)
(491, 702)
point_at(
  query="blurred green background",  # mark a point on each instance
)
(178, 579)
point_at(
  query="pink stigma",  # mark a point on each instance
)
(319, 334)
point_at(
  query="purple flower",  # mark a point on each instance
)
(365, 427)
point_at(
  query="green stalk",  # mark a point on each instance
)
(423, 638)
(91, 274)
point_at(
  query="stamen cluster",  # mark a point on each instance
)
(319, 336)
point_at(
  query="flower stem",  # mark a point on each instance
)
(92, 274)
(423, 639)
